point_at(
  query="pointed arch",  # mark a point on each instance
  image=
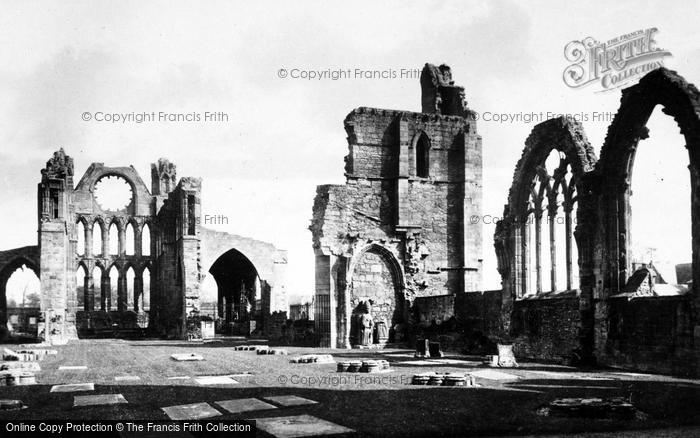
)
(130, 239)
(146, 239)
(114, 238)
(539, 202)
(678, 99)
(113, 295)
(145, 298)
(368, 287)
(80, 229)
(421, 146)
(97, 281)
(97, 242)
(82, 285)
(130, 287)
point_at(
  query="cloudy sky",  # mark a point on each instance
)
(284, 136)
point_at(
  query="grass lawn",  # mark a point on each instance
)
(372, 404)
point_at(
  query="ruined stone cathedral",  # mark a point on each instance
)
(396, 231)
(146, 263)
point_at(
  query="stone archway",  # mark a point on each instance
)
(375, 285)
(679, 100)
(6, 271)
(239, 288)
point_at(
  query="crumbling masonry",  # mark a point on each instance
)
(597, 320)
(170, 246)
(396, 230)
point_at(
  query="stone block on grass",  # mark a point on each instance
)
(186, 357)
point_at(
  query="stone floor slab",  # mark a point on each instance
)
(127, 378)
(417, 362)
(454, 361)
(244, 405)
(290, 400)
(494, 375)
(215, 380)
(299, 426)
(73, 387)
(72, 367)
(186, 357)
(194, 411)
(101, 399)
(179, 378)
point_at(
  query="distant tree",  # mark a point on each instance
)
(11, 303)
(32, 300)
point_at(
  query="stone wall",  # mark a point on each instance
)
(546, 328)
(479, 313)
(597, 320)
(409, 212)
(645, 333)
(434, 310)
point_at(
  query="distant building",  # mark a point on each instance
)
(303, 309)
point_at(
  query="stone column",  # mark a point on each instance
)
(89, 291)
(538, 248)
(526, 261)
(325, 319)
(88, 241)
(122, 241)
(138, 292)
(552, 217)
(105, 240)
(138, 250)
(106, 293)
(121, 290)
(568, 208)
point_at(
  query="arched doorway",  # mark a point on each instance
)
(375, 288)
(20, 279)
(238, 292)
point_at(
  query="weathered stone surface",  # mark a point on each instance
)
(73, 387)
(194, 411)
(396, 230)
(100, 399)
(245, 405)
(594, 321)
(299, 426)
(290, 400)
(171, 216)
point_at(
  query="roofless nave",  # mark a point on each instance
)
(392, 244)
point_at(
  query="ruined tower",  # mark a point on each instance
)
(396, 230)
(55, 223)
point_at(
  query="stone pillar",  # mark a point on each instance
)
(403, 211)
(588, 227)
(138, 292)
(122, 241)
(569, 251)
(538, 248)
(89, 291)
(526, 280)
(553, 246)
(105, 240)
(138, 250)
(106, 292)
(325, 310)
(121, 288)
(88, 241)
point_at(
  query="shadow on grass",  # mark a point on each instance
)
(409, 411)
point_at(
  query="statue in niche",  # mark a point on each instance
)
(382, 331)
(365, 323)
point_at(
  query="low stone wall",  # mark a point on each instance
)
(435, 309)
(652, 334)
(546, 327)
(479, 312)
